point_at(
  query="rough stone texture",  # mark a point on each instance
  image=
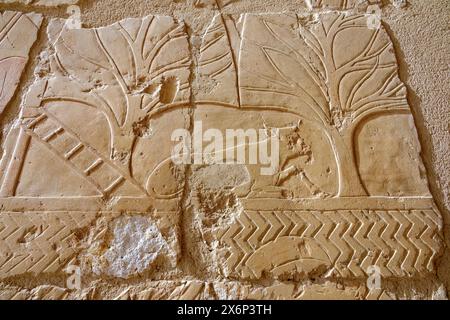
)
(42, 2)
(356, 115)
(128, 246)
(340, 4)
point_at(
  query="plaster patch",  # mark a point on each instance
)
(135, 247)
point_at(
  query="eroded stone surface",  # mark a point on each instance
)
(348, 190)
(224, 290)
(44, 292)
(341, 4)
(47, 3)
(18, 33)
(127, 246)
(217, 4)
(195, 290)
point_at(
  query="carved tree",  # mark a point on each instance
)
(129, 71)
(334, 71)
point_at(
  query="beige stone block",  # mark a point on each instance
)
(350, 189)
(98, 113)
(88, 178)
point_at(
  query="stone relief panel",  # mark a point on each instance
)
(94, 113)
(18, 33)
(350, 190)
(311, 71)
(121, 76)
(88, 176)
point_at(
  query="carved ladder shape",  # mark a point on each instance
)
(82, 158)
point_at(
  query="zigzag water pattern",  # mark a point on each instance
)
(400, 243)
(38, 243)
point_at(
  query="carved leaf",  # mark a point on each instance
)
(17, 34)
(217, 66)
(10, 71)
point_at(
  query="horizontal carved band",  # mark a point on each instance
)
(198, 290)
(38, 243)
(143, 204)
(343, 243)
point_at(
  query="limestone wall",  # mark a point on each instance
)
(93, 204)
